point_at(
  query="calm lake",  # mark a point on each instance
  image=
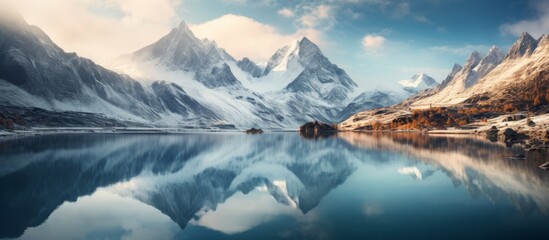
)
(269, 186)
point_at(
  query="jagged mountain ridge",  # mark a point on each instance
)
(475, 68)
(496, 80)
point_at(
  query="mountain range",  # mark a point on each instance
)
(179, 81)
(183, 81)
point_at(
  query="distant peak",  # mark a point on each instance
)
(473, 60)
(475, 55)
(494, 51)
(183, 27)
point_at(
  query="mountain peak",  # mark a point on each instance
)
(473, 60)
(307, 45)
(494, 52)
(305, 41)
(183, 27)
(524, 46)
(543, 40)
(301, 52)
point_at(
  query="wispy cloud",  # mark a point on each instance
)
(536, 26)
(464, 50)
(322, 15)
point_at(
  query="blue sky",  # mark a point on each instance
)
(378, 42)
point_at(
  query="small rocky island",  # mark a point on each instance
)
(316, 130)
(254, 131)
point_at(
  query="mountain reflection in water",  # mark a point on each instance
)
(233, 183)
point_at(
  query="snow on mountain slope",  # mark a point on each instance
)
(41, 74)
(418, 83)
(372, 100)
(451, 91)
(209, 75)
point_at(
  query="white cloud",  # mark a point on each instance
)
(286, 12)
(100, 29)
(536, 26)
(322, 15)
(244, 37)
(460, 50)
(373, 42)
(251, 210)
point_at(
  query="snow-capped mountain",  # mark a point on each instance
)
(309, 71)
(298, 84)
(418, 83)
(35, 72)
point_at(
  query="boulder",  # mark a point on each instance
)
(531, 123)
(492, 134)
(512, 136)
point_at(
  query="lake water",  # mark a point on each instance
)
(269, 186)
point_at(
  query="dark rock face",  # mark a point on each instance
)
(524, 46)
(254, 131)
(218, 77)
(250, 67)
